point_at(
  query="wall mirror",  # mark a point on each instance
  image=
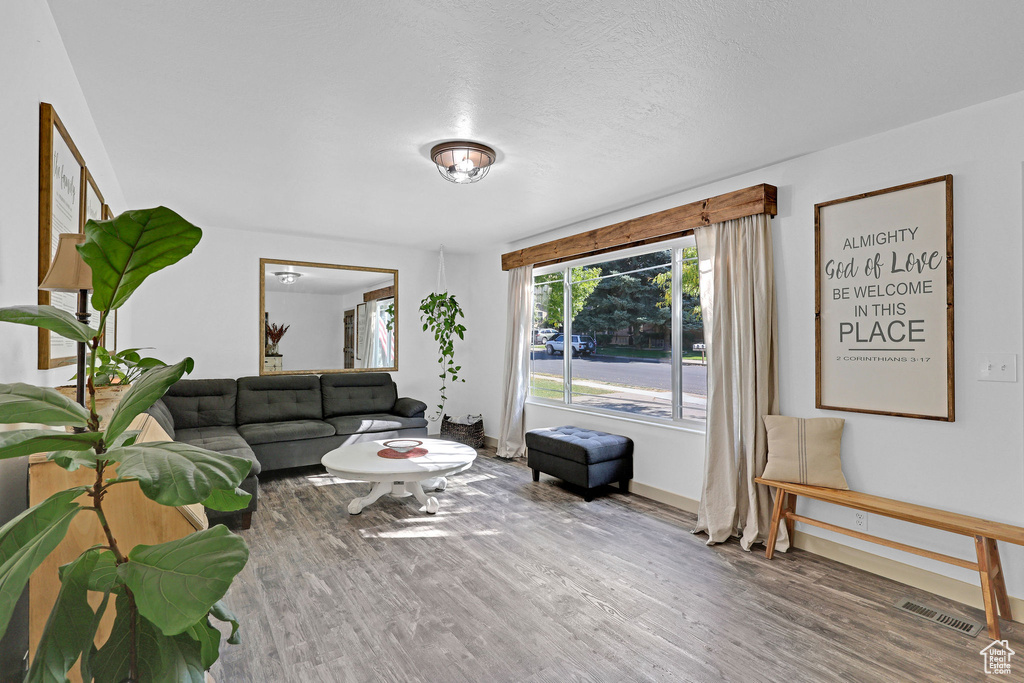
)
(322, 318)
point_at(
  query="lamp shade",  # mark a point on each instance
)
(68, 272)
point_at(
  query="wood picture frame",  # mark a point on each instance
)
(62, 176)
(883, 301)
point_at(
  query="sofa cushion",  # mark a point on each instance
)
(376, 422)
(278, 399)
(201, 403)
(357, 394)
(585, 446)
(224, 440)
(292, 430)
(163, 416)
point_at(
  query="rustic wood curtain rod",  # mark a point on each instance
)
(655, 227)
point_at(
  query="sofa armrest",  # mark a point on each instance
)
(409, 407)
(163, 417)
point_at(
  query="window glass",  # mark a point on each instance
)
(624, 317)
(547, 370)
(622, 335)
(693, 376)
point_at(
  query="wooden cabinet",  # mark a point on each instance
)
(133, 519)
(273, 363)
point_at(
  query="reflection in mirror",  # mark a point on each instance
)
(318, 317)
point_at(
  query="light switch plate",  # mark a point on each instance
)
(997, 367)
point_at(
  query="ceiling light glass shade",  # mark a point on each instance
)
(68, 272)
(287, 278)
(462, 162)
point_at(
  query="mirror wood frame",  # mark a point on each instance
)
(264, 262)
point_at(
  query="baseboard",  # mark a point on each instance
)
(490, 441)
(662, 496)
(953, 589)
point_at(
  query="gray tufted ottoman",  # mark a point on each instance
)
(583, 457)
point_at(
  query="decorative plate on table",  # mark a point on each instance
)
(401, 449)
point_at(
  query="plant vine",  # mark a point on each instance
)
(440, 314)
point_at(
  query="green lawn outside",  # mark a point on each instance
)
(542, 387)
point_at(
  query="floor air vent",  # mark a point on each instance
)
(946, 619)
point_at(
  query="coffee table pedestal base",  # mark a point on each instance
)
(399, 489)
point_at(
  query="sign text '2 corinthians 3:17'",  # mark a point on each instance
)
(884, 314)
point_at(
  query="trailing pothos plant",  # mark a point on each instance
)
(165, 595)
(440, 314)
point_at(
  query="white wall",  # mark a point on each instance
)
(315, 339)
(35, 69)
(207, 306)
(973, 465)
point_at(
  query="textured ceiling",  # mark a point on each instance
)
(315, 116)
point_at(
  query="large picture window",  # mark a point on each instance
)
(623, 334)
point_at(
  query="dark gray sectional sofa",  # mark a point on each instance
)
(285, 420)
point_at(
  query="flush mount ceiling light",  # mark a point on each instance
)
(462, 162)
(287, 278)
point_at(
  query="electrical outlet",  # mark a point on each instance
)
(860, 520)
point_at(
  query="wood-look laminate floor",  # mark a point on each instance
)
(520, 581)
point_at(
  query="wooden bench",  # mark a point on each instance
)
(985, 533)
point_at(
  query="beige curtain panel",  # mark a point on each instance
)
(512, 437)
(737, 296)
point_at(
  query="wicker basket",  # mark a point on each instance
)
(471, 435)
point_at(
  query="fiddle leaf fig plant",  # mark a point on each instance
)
(165, 596)
(440, 314)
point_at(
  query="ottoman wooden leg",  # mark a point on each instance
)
(536, 475)
(588, 495)
(624, 485)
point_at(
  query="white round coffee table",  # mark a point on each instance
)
(399, 477)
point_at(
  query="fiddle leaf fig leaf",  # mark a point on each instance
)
(176, 473)
(175, 584)
(125, 250)
(26, 403)
(27, 540)
(209, 641)
(72, 460)
(49, 318)
(30, 441)
(103, 578)
(221, 612)
(162, 659)
(228, 501)
(143, 394)
(70, 628)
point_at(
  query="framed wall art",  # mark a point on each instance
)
(61, 209)
(884, 301)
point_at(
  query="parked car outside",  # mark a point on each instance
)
(582, 345)
(542, 335)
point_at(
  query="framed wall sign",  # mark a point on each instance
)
(884, 301)
(61, 208)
